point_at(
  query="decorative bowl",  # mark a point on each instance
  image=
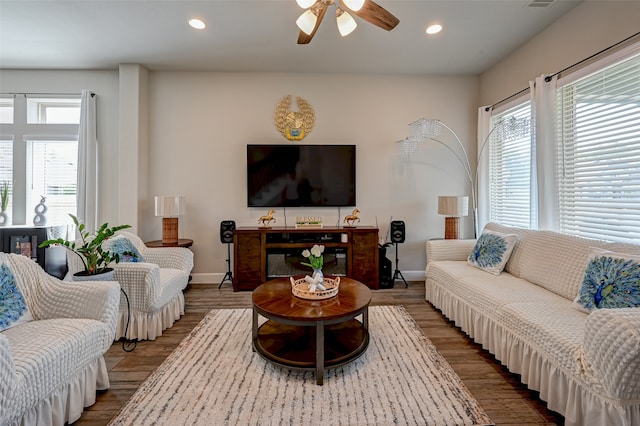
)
(300, 288)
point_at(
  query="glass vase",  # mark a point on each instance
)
(318, 275)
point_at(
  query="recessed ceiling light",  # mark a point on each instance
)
(434, 29)
(196, 23)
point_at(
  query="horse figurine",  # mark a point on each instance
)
(266, 220)
(351, 218)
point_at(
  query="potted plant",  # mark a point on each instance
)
(4, 203)
(94, 258)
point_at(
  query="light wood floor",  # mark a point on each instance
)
(499, 392)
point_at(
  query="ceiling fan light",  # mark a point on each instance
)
(354, 5)
(305, 4)
(346, 23)
(307, 22)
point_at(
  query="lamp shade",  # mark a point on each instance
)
(305, 4)
(354, 5)
(454, 206)
(169, 206)
(346, 23)
(307, 22)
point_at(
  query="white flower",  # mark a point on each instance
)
(315, 257)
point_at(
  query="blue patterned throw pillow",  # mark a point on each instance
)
(492, 251)
(125, 249)
(13, 309)
(611, 280)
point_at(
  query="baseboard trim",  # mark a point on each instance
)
(217, 277)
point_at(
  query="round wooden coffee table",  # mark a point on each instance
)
(309, 334)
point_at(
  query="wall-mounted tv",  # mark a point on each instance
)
(301, 175)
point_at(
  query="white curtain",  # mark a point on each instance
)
(543, 96)
(87, 185)
(482, 167)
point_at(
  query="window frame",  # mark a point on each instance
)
(21, 132)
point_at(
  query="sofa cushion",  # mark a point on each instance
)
(492, 251)
(515, 260)
(611, 280)
(13, 308)
(47, 353)
(484, 291)
(556, 261)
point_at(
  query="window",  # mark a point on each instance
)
(598, 126)
(52, 172)
(39, 154)
(53, 111)
(510, 167)
(6, 110)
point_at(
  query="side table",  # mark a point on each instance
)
(182, 242)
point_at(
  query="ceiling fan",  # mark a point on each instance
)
(371, 12)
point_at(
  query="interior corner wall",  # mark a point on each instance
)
(201, 122)
(585, 30)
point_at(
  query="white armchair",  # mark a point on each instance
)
(153, 287)
(52, 366)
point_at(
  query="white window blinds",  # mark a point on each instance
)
(510, 169)
(52, 170)
(6, 169)
(599, 154)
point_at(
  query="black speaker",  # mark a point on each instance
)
(397, 231)
(384, 271)
(226, 231)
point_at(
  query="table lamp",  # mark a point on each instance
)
(169, 208)
(453, 207)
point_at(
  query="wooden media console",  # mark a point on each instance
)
(261, 254)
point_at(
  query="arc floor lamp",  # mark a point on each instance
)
(430, 129)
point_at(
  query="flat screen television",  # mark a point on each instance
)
(301, 175)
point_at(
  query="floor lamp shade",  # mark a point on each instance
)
(453, 207)
(169, 208)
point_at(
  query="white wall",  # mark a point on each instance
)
(192, 130)
(200, 124)
(585, 30)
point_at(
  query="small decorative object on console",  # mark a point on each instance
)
(266, 220)
(351, 218)
(40, 219)
(314, 222)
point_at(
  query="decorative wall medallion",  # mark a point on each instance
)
(294, 125)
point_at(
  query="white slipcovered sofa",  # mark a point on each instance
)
(586, 366)
(51, 366)
(153, 285)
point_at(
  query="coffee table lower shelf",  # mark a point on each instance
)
(294, 346)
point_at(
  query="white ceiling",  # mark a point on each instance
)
(261, 35)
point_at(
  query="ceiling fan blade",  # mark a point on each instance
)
(304, 38)
(377, 15)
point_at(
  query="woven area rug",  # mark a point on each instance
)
(214, 378)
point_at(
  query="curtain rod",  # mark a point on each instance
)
(549, 77)
(44, 94)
